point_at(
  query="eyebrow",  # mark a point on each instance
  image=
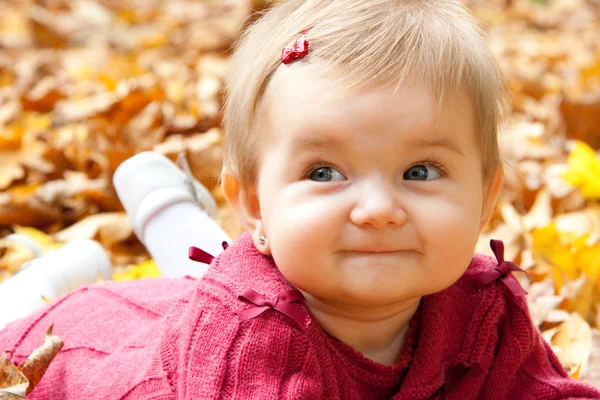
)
(300, 144)
(445, 143)
(330, 143)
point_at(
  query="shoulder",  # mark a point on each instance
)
(484, 279)
(468, 294)
(472, 316)
(230, 327)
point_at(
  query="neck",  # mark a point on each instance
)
(378, 333)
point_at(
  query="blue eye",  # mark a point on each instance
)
(421, 173)
(326, 174)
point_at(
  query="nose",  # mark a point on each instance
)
(378, 206)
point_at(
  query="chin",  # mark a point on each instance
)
(376, 296)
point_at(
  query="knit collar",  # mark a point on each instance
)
(440, 346)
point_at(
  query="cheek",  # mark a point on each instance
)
(450, 232)
(458, 210)
(302, 231)
(295, 214)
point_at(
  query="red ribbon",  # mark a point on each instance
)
(502, 271)
(298, 50)
(199, 255)
(284, 303)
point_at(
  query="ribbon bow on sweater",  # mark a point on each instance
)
(502, 271)
(298, 50)
(201, 256)
(284, 303)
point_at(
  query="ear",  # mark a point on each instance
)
(490, 195)
(243, 198)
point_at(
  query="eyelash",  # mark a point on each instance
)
(428, 161)
(316, 165)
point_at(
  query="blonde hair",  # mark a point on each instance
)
(364, 42)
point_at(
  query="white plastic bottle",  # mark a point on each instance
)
(70, 267)
(165, 213)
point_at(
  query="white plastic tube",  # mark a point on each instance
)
(72, 266)
(170, 233)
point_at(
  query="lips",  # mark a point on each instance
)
(377, 250)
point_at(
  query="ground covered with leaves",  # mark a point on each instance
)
(85, 84)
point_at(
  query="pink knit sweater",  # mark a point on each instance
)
(187, 339)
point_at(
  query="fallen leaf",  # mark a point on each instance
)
(107, 228)
(584, 170)
(18, 382)
(13, 384)
(43, 240)
(543, 303)
(591, 375)
(582, 118)
(145, 270)
(573, 343)
(38, 362)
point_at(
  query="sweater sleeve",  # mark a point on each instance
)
(523, 354)
(110, 343)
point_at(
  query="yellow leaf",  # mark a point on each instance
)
(591, 71)
(37, 122)
(20, 193)
(587, 258)
(46, 242)
(574, 373)
(549, 249)
(109, 82)
(11, 136)
(147, 269)
(584, 170)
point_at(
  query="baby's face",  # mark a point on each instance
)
(368, 198)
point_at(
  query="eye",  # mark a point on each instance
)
(422, 173)
(326, 174)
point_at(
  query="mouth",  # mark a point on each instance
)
(377, 251)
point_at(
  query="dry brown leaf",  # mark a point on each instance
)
(28, 212)
(146, 129)
(75, 183)
(572, 342)
(204, 152)
(522, 140)
(582, 118)
(13, 255)
(107, 228)
(18, 382)
(579, 223)
(540, 213)
(592, 374)
(37, 363)
(13, 384)
(543, 303)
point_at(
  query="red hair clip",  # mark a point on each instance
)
(298, 50)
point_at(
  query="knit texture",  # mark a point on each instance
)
(185, 339)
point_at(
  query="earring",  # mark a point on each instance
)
(262, 239)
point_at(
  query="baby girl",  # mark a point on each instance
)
(361, 158)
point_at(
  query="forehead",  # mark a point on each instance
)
(300, 102)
